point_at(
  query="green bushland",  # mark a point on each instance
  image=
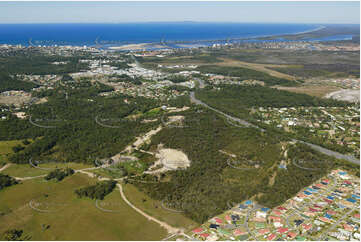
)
(77, 136)
(40, 64)
(245, 74)
(59, 174)
(13, 235)
(204, 189)
(8, 83)
(97, 191)
(178, 78)
(119, 65)
(288, 182)
(7, 149)
(322, 70)
(236, 100)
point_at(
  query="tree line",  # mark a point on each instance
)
(97, 191)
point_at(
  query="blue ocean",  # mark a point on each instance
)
(127, 33)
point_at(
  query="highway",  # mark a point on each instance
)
(247, 124)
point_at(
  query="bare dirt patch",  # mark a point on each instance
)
(169, 159)
(272, 179)
(177, 118)
(14, 100)
(141, 140)
(175, 110)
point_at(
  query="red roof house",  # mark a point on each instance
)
(271, 237)
(282, 230)
(239, 232)
(204, 235)
(218, 220)
(263, 231)
(331, 212)
(348, 227)
(291, 235)
(277, 212)
(197, 230)
(274, 219)
(324, 219)
(307, 227)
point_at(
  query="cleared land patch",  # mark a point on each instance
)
(312, 90)
(257, 67)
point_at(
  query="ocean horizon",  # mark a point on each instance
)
(134, 33)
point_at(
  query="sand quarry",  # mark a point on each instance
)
(169, 159)
(345, 95)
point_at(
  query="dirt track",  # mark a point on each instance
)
(5, 166)
(169, 228)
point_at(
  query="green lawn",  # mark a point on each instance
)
(154, 208)
(69, 217)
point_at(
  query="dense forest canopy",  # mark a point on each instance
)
(76, 134)
(8, 83)
(40, 64)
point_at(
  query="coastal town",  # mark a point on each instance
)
(145, 119)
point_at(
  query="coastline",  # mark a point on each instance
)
(143, 42)
(240, 32)
(183, 43)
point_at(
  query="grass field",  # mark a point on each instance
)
(68, 217)
(154, 208)
(26, 170)
(109, 173)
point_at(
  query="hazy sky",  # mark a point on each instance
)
(266, 12)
